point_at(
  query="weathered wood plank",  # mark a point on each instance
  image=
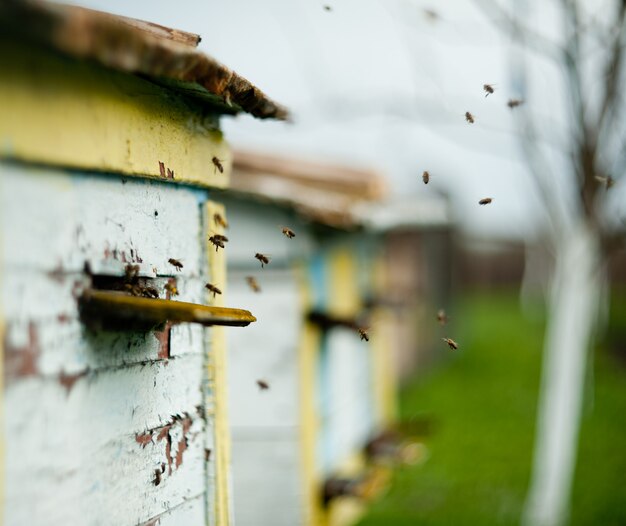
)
(66, 220)
(77, 114)
(100, 443)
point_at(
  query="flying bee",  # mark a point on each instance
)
(217, 242)
(157, 477)
(514, 103)
(170, 287)
(262, 258)
(469, 117)
(364, 334)
(425, 177)
(488, 88)
(485, 201)
(217, 165)
(254, 285)
(174, 262)
(288, 232)
(219, 220)
(263, 385)
(451, 343)
(212, 288)
(442, 317)
(606, 180)
(327, 8)
(431, 14)
(221, 238)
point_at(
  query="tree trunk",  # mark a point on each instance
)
(572, 314)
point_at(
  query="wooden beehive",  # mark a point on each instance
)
(329, 391)
(114, 391)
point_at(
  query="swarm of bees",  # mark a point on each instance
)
(212, 288)
(133, 286)
(252, 282)
(488, 88)
(217, 165)
(425, 177)
(263, 385)
(175, 263)
(262, 258)
(288, 232)
(469, 117)
(485, 201)
(364, 334)
(451, 343)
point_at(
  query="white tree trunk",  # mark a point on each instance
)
(572, 314)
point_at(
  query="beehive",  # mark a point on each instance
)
(114, 406)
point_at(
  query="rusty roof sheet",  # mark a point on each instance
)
(165, 55)
(326, 193)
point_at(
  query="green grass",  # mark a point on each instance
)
(482, 404)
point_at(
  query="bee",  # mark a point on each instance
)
(253, 284)
(207, 454)
(213, 289)
(221, 238)
(150, 292)
(177, 264)
(431, 14)
(131, 272)
(451, 343)
(217, 165)
(133, 289)
(469, 117)
(219, 220)
(364, 335)
(485, 201)
(327, 8)
(157, 477)
(262, 258)
(442, 317)
(170, 287)
(608, 180)
(425, 177)
(488, 88)
(217, 242)
(263, 385)
(288, 232)
(514, 103)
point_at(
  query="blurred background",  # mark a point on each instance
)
(525, 421)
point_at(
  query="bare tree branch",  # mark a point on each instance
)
(533, 40)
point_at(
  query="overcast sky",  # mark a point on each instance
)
(383, 84)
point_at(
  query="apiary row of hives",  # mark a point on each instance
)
(124, 255)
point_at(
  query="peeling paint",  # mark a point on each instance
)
(21, 361)
(144, 439)
(164, 433)
(68, 380)
(164, 338)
